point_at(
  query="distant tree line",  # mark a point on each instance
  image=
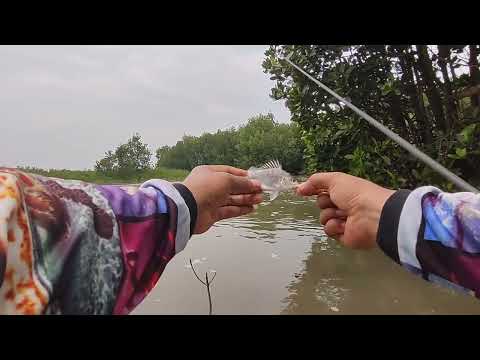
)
(260, 140)
(131, 162)
(126, 160)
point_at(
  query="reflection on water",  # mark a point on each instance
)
(279, 261)
(270, 219)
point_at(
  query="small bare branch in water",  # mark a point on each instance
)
(215, 274)
(209, 296)
(207, 284)
(196, 273)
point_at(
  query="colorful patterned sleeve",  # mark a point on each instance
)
(70, 247)
(435, 235)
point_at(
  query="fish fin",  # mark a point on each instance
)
(265, 166)
(272, 164)
(273, 195)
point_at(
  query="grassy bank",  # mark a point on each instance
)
(99, 178)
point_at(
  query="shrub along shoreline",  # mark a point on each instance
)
(96, 177)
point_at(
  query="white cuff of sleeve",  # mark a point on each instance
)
(183, 213)
(409, 225)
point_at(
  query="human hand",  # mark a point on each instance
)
(221, 192)
(351, 207)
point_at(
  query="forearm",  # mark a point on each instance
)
(435, 235)
(154, 223)
(73, 247)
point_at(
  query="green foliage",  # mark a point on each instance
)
(383, 80)
(127, 162)
(260, 140)
(107, 165)
(96, 177)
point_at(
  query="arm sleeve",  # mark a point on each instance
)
(435, 235)
(70, 247)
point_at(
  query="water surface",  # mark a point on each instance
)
(279, 261)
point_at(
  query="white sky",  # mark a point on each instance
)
(64, 106)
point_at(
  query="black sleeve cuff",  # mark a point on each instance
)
(388, 226)
(191, 203)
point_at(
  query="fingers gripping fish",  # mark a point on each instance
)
(273, 178)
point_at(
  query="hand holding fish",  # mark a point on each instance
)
(351, 207)
(221, 192)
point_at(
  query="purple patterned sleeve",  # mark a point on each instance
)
(154, 225)
(69, 247)
(436, 235)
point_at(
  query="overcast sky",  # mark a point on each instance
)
(64, 106)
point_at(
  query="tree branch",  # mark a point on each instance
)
(207, 284)
(209, 296)
(211, 281)
(196, 273)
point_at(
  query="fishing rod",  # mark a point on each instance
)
(447, 174)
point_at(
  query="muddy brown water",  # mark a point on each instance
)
(279, 261)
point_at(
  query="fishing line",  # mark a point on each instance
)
(447, 174)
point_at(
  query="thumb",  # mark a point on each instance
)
(318, 183)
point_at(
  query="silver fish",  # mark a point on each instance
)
(273, 178)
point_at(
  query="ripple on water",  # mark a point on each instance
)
(330, 294)
(289, 218)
